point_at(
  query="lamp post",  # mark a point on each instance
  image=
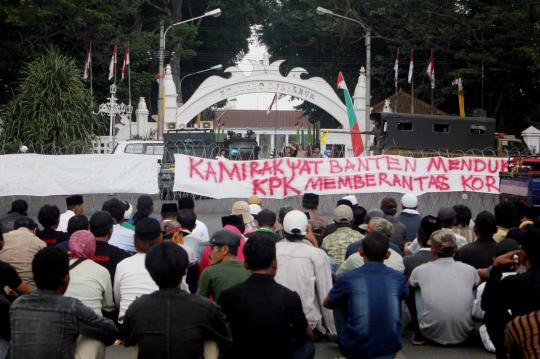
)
(162, 36)
(322, 11)
(216, 67)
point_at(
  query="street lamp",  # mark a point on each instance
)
(216, 67)
(322, 11)
(162, 35)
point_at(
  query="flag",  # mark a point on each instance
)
(88, 62)
(272, 104)
(396, 68)
(126, 64)
(112, 66)
(324, 133)
(457, 84)
(431, 69)
(356, 139)
(411, 67)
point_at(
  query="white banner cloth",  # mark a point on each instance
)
(44, 175)
(284, 177)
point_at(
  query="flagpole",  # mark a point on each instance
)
(90, 69)
(396, 69)
(129, 88)
(275, 127)
(412, 95)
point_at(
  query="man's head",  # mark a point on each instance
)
(505, 214)
(186, 203)
(409, 201)
(101, 224)
(443, 243)
(166, 263)
(50, 268)
(147, 234)
(389, 206)
(224, 245)
(49, 216)
(380, 225)
(295, 225)
(282, 212)
(310, 201)
(234, 220)
(375, 247)
(187, 219)
(173, 231)
(116, 208)
(428, 225)
(82, 244)
(169, 211)
(463, 215)
(19, 206)
(76, 223)
(359, 214)
(266, 218)
(260, 255)
(485, 225)
(531, 247)
(75, 203)
(25, 222)
(446, 217)
(343, 216)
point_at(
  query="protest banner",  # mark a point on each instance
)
(284, 177)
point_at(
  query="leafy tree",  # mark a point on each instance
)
(51, 111)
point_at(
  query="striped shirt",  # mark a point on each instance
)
(522, 336)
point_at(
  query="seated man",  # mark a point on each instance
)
(285, 333)
(371, 297)
(444, 302)
(171, 322)
(45, 324)
(49, 218)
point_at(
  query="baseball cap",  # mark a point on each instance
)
(295, 222)
(372, 213)
(446, 214)
(254, 200)
(505, 246)
(343, 214)
(409, 200)
(444, 240)
(242, 208)
(380, 225)
(225, 237)
(168, 228)
(147, 229)
(351, 198)
(254, 209)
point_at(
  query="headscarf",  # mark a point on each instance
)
(82, 244)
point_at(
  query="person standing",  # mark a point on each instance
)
(285, 333)
(480, 253)
(170, 322)
(306, 270)
(49, 218)
(409, 216)
(371, 296)
(18, 209)
(310, 205)
(200, 230)
(226, 270)
(75, 206)
(45, 323)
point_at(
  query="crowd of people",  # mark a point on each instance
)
(267, 285)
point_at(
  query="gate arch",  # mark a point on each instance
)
(263, 78)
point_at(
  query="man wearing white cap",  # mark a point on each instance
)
(305, 270)
(409, 216)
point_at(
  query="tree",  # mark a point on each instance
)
(51, 111)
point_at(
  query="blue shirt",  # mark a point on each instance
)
(371, 297)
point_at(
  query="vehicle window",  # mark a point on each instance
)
(441, 127)
(477, 130)
(404, 126)
(137, 148)
(154, 150)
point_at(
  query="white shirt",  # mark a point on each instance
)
(64, 219)
(201, 231)
(306, 270)
(131, 280)
(395, 261)
(91, 284)
(122, 238)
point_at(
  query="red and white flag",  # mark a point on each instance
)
(431, 70)
(396, 68)
(126, 64)
(112, 66)
(88, 62)
(411, 67)
(274, 100)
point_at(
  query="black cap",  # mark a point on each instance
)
(74, 200)
(115, 207)
(310, 197)
(147, 229)
(233, 219)
(225, 237)
(101, 219)
(169, 208)
(186, 203)
(505, 246)
(266, 217)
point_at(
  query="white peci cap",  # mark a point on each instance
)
(254, 209)
(409, 200)
(295, 222)
(351, 198)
